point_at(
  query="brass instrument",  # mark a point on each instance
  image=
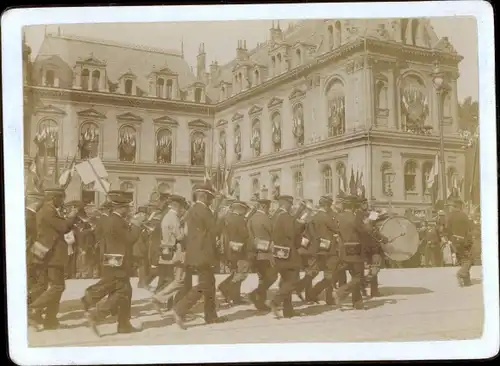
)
(251, 212)
(303, 212)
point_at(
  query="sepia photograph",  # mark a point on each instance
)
(250, 181)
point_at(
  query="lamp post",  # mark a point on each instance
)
(390, 193)
(442, 89)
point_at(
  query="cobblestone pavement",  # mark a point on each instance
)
(416, 305)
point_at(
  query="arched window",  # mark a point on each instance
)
(414, 103)
(330, 37)
(410, 178)
(341, 176)
(299, 56)
(128, 87)
(96, 76)
(88, 143)
(276, 131)
(49, 78)
(164, 146)
(237, 142)
(48, 138)
(256, 77)
(85, 79)
(336, 108)
(127, 143)
(381, 95)
(275, 185)
(160, 85)
(255, 189)
(197, 95)
(170, 86)
(387, 178)
(198, 148)
(298, 128)
(129, 189)
(327, 181)
(298, 183)
(255, 139)
(426, 171)
(338, 34)
(88, 195)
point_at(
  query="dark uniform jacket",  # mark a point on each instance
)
(235, 230)
(119, 239)
(352, 229)
(285, 234)
(322, 226)
(458, 229)
(201, 236)
(259, 227)
(30, 227)
(51, 227)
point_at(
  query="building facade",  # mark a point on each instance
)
(300, 112)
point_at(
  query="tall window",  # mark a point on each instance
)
(127, 143)
(164, 146)
(298, 56)
(453, 182)
(330, 37)
(381, 95)
(128, 87)
(128, 189)
(410, 178)
(88, 194)
(49, 78)
(96, 75)
(336, 108)
(88, 143)
(160, 84)
(298, 181)
(236, 189)
(197, 95)
(255, 189)
(276, 131)
(256, 77)
(169, 89)
(85, 79)
(327, 181)
(47, 139)
(387, 178)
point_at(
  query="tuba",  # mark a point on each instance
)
(303, 212)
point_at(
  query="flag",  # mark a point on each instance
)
(352, 184)
(67, 175)
(342, 183)
(93, 170)
(433, 179)
(229, 180)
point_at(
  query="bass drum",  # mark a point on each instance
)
(403, 238)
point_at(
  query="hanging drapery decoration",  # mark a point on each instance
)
(298, 124)
(198, 149)
(164, 148)
(415, 107)
(89, 141)
(237, 143)
(127, 145)
(336, 115)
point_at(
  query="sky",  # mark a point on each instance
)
(221, 38)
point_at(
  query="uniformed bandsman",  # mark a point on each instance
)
(260, 253)
(33, 268)
(341, 276)
(457, 229)
(363, 213)
(141, 251)
(324, 243)
(120, 237)
(50, 250)
(286, 256)
(201, 256)
(172, 251)
(374, 253)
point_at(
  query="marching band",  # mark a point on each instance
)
(174, 240)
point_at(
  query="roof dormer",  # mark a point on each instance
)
(196, 92)
(225, 90)
(301, 53)
(127, 83)
(241, 76)
(163, 83)
(90, 74)
(259, 74)
(279, 58)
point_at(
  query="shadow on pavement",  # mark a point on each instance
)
(389, 291)
(476, 281)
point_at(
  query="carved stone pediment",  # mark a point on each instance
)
(221, 123)
(274, 102)
(50, 109)
(91, 60)
(128, 75)
(91, 113)
(255, 109)
(444, 45)
(237, 116)
(166, 120)
(198, 123)
(197, 84)
(129, 117)
(297, 94)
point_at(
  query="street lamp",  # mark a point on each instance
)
(442, 89)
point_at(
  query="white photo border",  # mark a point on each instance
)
(12, 23)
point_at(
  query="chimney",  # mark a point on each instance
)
(241, 51)
(275, 34)
(201, 60)
(214, 70)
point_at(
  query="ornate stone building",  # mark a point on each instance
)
(298, 112)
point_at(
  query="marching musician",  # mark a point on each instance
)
(286, 256)
(363, 213)
(201, 255)
(341, 276)
(50, 250)
(141, 253)
(172, 251)
(120, 237)
(324, 242)
(351, 253)
(235, 252)
(457, 229)
(259, 252)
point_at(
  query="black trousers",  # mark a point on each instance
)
(353, 287)
(205, 288)
(331, 269)
(231, 286)
(268, 274)
(119, 299)
(312, 269)
(48, 301)
(290, 278)
(37, 281)
(143, 271)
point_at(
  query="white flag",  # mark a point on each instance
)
(91, 170)
(433, 175)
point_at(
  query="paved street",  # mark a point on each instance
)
(416, 304)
